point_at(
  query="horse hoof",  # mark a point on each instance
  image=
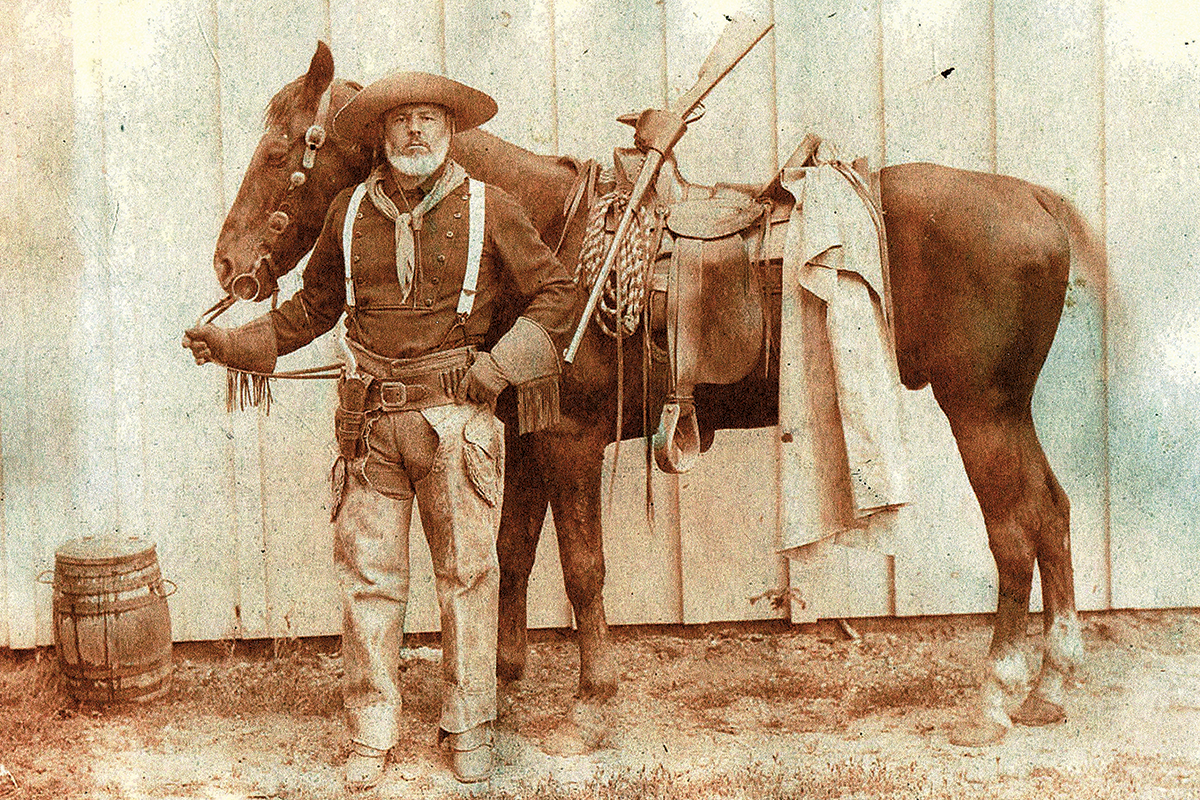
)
(598, 680)
(977, 733)
(1037, 711)
(597, 691)
(584, 730)
(508, 699)
(564, 740)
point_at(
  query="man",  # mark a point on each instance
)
(416, 256)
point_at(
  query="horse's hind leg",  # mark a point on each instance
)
(1022, 505)
(1063, 647)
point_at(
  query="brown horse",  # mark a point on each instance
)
(978, 267)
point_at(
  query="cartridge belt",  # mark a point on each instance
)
(410, 384)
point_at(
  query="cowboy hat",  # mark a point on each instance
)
(470, 107)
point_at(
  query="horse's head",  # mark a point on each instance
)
(297, 169)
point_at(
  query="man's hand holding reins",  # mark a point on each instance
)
(208, 343)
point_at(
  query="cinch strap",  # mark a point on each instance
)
(360, 192)
(475, 217)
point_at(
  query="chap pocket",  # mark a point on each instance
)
(483, 455)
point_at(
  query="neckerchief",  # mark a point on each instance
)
(410, 222)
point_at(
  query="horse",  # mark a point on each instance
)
(978, 267)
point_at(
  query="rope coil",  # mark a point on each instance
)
(624, 296)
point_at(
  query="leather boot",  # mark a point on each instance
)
(471, 753)
(364, 767)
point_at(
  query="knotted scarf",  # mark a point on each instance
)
(410, 222)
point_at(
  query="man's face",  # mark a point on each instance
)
(416, 138)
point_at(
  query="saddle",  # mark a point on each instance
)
(706, 296)
(720, 256)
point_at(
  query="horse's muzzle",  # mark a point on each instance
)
(254, 284)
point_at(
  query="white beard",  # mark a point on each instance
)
(417, 166)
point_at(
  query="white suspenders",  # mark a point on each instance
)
(348, 238)
(475, 225)
(475, 220)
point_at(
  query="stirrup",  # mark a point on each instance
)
(677, 440)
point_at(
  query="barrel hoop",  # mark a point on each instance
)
(109, 584)
(101, 672)
(78, 608)
(107, 692)
(129, 563)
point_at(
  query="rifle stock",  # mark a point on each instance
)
(738, 39)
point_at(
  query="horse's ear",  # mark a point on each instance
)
(320, 73)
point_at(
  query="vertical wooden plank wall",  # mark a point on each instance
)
(36, 246)
(728, 505)
(938, 79)
(484, 35)
(827, 75)
(735, 140)
(827, 67)
(281, 460)
(169, 464)
(1152, 80)
(1043, 55)
(371, 38)
(938, 83)
(125, 435)
(610, 59)
(481, 36)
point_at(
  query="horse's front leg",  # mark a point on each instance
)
(521, 521)
(571, 468)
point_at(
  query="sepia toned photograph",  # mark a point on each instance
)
(579, 399)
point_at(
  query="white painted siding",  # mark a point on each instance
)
(132, 121)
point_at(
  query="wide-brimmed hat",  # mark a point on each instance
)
(357, 118)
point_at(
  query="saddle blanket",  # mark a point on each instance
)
(843, 462)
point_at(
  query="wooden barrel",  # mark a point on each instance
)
(112, 628)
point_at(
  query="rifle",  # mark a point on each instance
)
(659, 130)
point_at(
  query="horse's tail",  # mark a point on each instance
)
(1088, 249)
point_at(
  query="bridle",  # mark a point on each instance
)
(246, 285)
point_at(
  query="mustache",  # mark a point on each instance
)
(417, 164)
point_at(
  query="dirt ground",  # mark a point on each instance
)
(766, 711)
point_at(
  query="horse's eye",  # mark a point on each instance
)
(276, 158)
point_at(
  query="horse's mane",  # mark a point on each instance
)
(279, 110)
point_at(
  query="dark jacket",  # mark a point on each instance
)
(424, 323)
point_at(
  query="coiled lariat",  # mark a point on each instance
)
(624, 295)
